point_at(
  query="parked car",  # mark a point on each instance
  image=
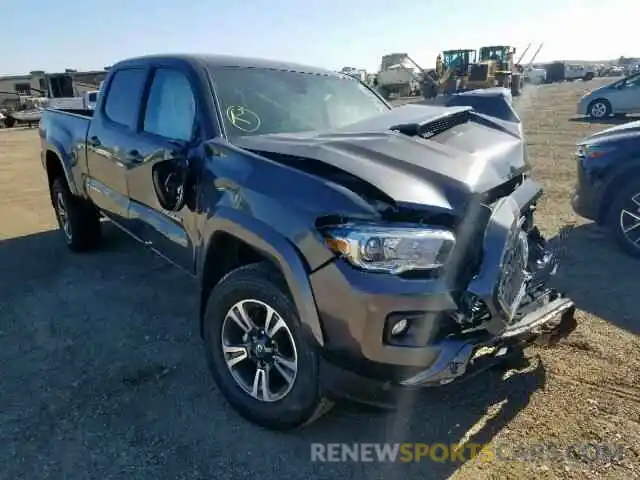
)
(619, 97)
(342, 247)
(562, 71)
(578, 72)
(608, 187)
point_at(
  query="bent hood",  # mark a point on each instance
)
(415, 154)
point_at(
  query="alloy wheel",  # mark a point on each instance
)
(259, 350)
(630, 220)
(598, 110)
(63, 216)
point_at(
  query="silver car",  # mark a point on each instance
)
(619, 97)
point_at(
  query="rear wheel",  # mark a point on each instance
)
(624, 218)
(79, 222)
(256, 350)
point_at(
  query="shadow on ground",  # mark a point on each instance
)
(597, 276)
(104, 375)
(611, 121)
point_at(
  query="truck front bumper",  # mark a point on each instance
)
(358, 308)
(462, 359)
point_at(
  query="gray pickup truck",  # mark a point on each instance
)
(343, 248)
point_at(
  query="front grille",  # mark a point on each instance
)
(513, 281)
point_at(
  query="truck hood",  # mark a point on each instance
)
(416, 154)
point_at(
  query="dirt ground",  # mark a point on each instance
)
(104, 377)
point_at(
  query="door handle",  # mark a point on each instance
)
(94, 142)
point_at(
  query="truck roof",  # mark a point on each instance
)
(210, 60)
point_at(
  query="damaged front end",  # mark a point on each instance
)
(448, 256)
(508, 302)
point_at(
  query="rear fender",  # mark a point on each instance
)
(67, 162)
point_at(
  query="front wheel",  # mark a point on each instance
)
(256, 351)
(624, 218)
(599, 109)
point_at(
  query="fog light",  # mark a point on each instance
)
(400, 327)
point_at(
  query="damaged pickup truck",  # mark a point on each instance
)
(343, 248)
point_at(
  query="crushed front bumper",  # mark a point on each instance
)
(461, 359)
(458, 360)
(509, 290)
(513, 274)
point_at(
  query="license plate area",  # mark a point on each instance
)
(512, 286)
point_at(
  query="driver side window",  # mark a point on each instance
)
(171, 106)
(633, 82)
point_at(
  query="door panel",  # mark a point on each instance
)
(626, 98)
(167, 129)
(632, 94)
(617, 99)
(111, 133)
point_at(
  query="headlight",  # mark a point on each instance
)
(594, 151)
(391, 248)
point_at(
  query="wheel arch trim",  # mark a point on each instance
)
(276, 248)
(623, 176)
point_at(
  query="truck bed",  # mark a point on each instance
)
(82, 112)
(65, 132)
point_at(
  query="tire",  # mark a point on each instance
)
(625, 206)
(599, 109)
(303, 402)
(79, 221)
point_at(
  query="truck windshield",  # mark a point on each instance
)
(258, 101)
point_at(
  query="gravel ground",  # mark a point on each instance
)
(104, 376)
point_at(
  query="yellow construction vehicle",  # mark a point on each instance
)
(451, 73)
(496, 68)
(456, 65)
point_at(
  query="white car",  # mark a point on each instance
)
(619, 97)
(578, 72)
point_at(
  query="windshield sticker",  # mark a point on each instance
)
(243, 119)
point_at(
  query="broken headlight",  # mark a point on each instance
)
(391, 248)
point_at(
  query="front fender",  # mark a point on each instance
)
(276, 248)
(616, 179)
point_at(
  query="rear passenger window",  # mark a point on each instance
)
(124, 95)
(171, 107)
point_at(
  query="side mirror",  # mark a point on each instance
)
(170, 182)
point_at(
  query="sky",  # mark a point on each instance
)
(88, 34)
